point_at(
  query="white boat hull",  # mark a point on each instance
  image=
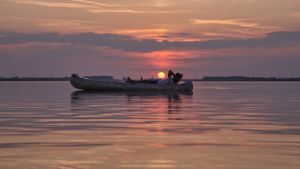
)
(90, 84)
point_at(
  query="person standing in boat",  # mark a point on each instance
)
(168, 80)
(170, 74)
(172, 78)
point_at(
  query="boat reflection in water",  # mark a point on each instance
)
(133, 125)
(147, 111)
(130, 100)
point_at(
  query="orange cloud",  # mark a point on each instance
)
(87, 5)
(48, 4)
(141, 31)
(153, 33)
(93, 3)
(171, 54)
(233, 22)
(295, 14)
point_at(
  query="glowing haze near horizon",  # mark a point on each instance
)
(141, 38)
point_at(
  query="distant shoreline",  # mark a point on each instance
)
(204, 79)
(34, 79)
(246, 79)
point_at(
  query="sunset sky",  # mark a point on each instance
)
(140, 38)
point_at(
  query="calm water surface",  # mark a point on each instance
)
(220, 126)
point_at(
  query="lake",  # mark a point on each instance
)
(50, 125)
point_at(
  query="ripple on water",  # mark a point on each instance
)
(220, 125)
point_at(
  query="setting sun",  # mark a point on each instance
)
(161, 75)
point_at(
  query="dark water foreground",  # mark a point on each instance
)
(220, 126)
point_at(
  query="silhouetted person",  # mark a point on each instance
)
(174, 78)
(177, 77)
(170, 74)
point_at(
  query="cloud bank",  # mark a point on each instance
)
(55, 54)
(128, 43)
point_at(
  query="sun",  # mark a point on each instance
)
(161, 75)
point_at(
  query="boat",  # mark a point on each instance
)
(109, 84)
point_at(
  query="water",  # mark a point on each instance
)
(221, 126)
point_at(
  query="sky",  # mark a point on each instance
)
(140, 38)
